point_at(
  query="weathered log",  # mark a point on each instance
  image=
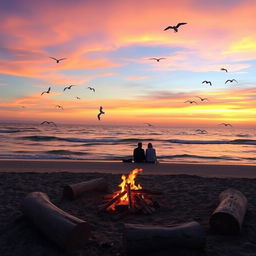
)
(67, 231)
(228, 216)
(75, 190)
(140, 239)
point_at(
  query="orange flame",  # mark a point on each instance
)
(130, 179)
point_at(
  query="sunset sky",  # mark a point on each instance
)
(108, 45)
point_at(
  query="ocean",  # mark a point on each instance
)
(223, 145)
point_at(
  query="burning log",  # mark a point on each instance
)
(75, 190)
(228, 216)
(114, 200)
(146, 191)
(130, 199)
(67, 231)
(131, 196)
(143, 205)
(140, 239)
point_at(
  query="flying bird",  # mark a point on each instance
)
(175, 28)
(199, 131)
(59, 107)
(207, 82)
(68, 87)
(157, 59)
(224, 69)
(148, 124)
(190, 101)
(101, 112)
(57, 60)
(78, 98)
(48, 91)
(231, 81)
(91, 88)
(226, 124)
(202, 99)
(47, 122)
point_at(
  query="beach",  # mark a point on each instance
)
(190, 193)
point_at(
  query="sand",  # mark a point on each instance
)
(190, 192)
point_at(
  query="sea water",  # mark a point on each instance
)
(220, 144)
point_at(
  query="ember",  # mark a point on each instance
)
(131, 196)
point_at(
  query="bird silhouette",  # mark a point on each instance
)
(48, 91)
(68, 87)
(78, 98)
(148, 124)
(199, 131)
(224, 69)
(91, 88)
(157, 59)
(60, 107)
(202, 99)
(190, 101)
(101, 112)
(226, 124)
(175, 28)
(57, 60)
(231, 81)
(47, 122)
(207, 82)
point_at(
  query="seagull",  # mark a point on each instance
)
(175, 28)
(48, 91)
(91, 88)
(202, 99)
(207, 82)
(101, 112)
(225, 124)
(60, 107)
(57, 60)
(231, 80)
(224, 69)
(78, 98)
(190, 101)
(157, 59)
(148, 124)
(47, 122)
(68, 87)
(199, 131)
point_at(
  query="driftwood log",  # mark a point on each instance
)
(75, 190)
(140, 239)
(228, 216)
(67, 231)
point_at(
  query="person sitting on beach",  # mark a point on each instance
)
(139, 154)
(150, 154)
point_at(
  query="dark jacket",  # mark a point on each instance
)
(139, 155)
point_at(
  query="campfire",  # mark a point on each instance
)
(131, 196)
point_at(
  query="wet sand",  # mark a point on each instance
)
(204, 170)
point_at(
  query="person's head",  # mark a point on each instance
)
(139, 145)
(150, 145)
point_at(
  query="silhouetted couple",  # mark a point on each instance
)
(139, 155)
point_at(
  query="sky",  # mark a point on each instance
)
(108, 45)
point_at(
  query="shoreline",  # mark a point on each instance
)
(118, 167)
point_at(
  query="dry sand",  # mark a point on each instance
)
(186, 197)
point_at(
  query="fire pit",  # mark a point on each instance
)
(131, 197)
